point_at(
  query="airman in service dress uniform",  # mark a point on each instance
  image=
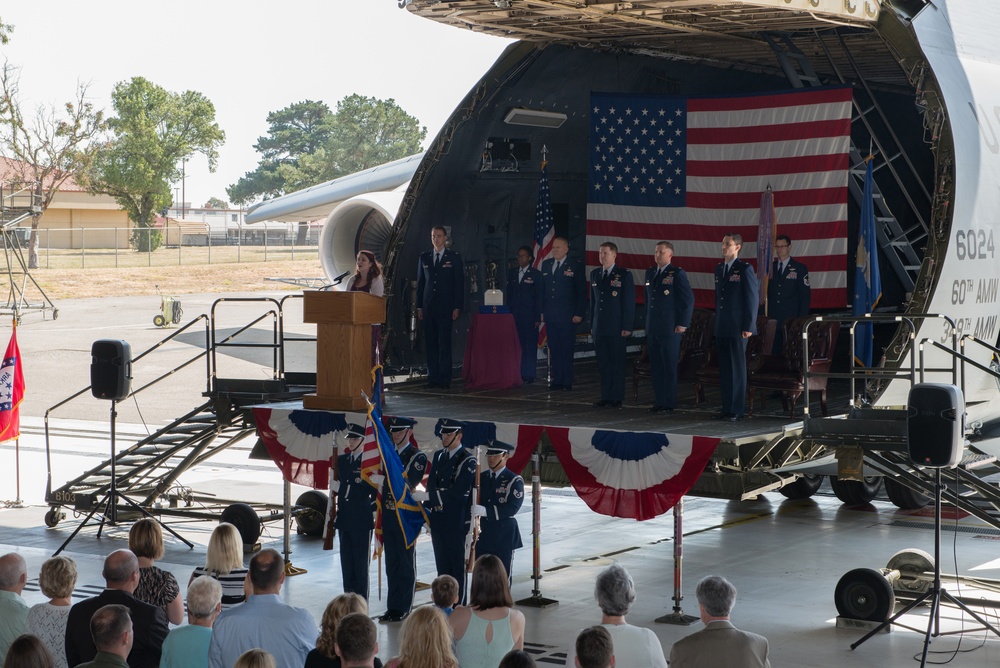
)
(735, 323)
(612, 314)
(524, 296)
(788, 291)
(440, 299)
(449, 502)
(355, 514)
(501, 493)
(669, 305)
(564, 302)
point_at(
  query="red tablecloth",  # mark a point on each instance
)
(492, 353)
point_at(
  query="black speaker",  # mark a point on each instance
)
(110, 369)
(935, 425)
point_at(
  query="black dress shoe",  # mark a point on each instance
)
(614, 404)
(720, 416)
(602, 403)
(394, 616)
(565, 388)
(654, 409)
(553, 386)
(665, 411)
(734, 418)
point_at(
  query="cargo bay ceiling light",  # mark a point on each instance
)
(534, 118)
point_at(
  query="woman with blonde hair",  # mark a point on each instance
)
(325, 654)
(425, 641)
(156, 586)
(256, 658)
(489, 627)
(47, 621)
(224, 562)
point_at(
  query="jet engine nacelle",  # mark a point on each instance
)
(361, 222)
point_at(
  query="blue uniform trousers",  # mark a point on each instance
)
(562, 337)
(449, 549)
(610, 351)
(354, 547)
(437, 338)
(400, 566)
(664, 350)
(732, 373)
(527, 334)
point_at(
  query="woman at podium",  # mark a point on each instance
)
(368, 278)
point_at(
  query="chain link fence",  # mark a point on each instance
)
(78, 248)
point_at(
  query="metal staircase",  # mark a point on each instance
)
(17, 205)
(148, 472)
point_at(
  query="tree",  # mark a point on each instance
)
(153, 130)
(5, 30)
(216, 203)
(298, 129)
(50, 148)
(306, 148)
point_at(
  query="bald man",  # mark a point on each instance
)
(13, 609)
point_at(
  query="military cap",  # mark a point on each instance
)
(355, 431)
(498, 448)
(401, 423)
(449, 425)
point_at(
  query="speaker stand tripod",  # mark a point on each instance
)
(935, 595)
(110, 501)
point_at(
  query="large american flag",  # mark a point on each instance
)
(544, 223)
(688, 170)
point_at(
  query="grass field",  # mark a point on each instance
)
(67, 275)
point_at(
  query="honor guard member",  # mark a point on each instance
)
(524, 296)
(735, 323)
(788, 290)
(355, 513)
(449, 502)
(400, 562)
(669, 305)
(612, 314)
(440, 298)
(501, 493)
(564, 302)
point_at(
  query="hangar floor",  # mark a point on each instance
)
(785, 557)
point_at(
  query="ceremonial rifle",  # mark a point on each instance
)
(474, 519)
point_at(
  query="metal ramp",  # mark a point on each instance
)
(149, 470)
(900, 243)
(17, 205)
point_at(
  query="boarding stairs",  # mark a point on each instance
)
(19, 204)
(149, 470)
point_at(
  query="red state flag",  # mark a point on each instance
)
(11, 391)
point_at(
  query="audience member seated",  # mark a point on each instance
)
(121, 575)
(488, 627)
(517, 658)
(444, 593)
(325, 654)
(27, 651)
(263, 621)
(357, 641)
(47, 621)
(187, 646)
(113, 634)
(224, 562)
(13, 609)
(635, 646)
(256, 658)
(156, 586)
(425, 641)
(594, 648)
(719, 643)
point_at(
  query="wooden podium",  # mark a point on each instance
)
(343, 347)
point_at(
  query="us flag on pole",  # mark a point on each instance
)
(688, 170)
(11, 391)
(544, 225)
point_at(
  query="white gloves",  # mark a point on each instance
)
(478, 511)
(377, 480)
(420, 497)
(335, 486)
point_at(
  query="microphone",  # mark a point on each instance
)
(335, 281)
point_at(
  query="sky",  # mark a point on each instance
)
(249, 58)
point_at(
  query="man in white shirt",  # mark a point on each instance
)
(13, 609)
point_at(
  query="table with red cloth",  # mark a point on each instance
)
(492, 353)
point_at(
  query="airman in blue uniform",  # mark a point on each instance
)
(501, 493)
(355, 514)
(612, 316)
(669, 305)
(788, 290)
(524, 297)
(735, 323)
(449, 502)
(564, 302)
(400, 562)
(440, 299)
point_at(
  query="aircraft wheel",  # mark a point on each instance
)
(864, 593)
(904, 497)
(806, 485)
(245, 519)
(911, 564)
(311, 516)
(856, 493)
(53, 516)
(159, 321)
